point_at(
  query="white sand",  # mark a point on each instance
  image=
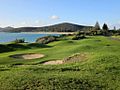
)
(53, 62)
(32, 56)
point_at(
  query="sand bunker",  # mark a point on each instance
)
(27, 56)
(53, 62)
(71, 59)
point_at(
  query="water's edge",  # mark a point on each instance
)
(29, 37)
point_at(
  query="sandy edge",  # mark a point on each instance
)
(47, 32)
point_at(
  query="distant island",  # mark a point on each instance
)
(62, 27)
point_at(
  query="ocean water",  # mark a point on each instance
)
(7, 37)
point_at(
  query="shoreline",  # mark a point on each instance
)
(41, 32)
(47, 32)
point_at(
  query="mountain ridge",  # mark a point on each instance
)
(61, 27)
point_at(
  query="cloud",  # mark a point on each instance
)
(54, 17)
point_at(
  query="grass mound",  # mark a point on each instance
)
(75, 58)
(4, 48)
(37, 45)
(20, 46)
(17, 46)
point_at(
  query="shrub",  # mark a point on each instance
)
(62, 35)
(78, 37)
(46, 39)
(19, 40)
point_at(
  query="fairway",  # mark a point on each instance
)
(97, 66)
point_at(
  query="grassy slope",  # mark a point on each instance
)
(101, 70)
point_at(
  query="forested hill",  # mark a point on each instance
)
(62, 27)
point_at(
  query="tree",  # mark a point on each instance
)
(105, 29)
(115, 28)
(95, 29)
(97, 26)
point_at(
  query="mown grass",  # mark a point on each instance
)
(100, 71)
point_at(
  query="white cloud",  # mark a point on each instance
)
(54, 17)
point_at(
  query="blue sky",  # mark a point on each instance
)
(45, 12)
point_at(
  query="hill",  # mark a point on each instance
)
(6, 29)
(62, 27)
(1, 29)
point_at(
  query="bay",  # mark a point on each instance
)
(29, 37)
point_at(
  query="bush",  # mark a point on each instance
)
(19, 41)
(62, 35)
(46, 39)
(78, 37)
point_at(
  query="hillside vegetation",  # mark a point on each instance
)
(98, 70)
(62, 27)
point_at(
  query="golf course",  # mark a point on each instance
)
(92, 63)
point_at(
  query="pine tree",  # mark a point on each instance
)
(105, 29)
(96, 29)
(97, 26)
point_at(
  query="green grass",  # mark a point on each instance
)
(116, 37)
(100, 71)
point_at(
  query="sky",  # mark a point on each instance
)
(18, 13)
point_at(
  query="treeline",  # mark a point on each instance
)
(97, 30)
